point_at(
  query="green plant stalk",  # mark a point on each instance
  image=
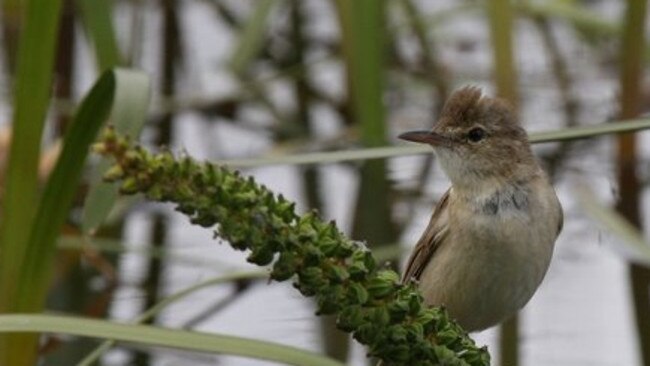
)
(335, 345)
(33, 83)
(58, 193)
(32, 279)
(500, 19)
(12, 11)
(154, 336)
(96, 16)
(364, 46)
(52, 210)
(362, 25)
(629, 185)
(31, 99)
(433, 69)
(341, 274)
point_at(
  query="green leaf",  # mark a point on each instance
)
(33, 84)
(96, 17)
(52, 210)
(363, 45)
(127, 116)
(160, 337)
(32, 98)
(35, 268)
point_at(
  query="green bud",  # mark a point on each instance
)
(328, 246)
(389, 275)
(414, 304)
(114, 173)
(312, 277)
(476, 357)
(305, 230)
(330, 301)
(400, 353)
(285, 267)
(358, 271)
(365, 333)
(156, 193)
(336, 273)
(129, 186)
(100, 148)
(383, 285)
(344, 250)
(313, 255)
(397, 333)
(445, 356)
(398, 309)
(261, 255)
(379, 316)
(357, 294)
(414, 330)
(363, 258)
(446, 337)
(204, 219)
(131, 158)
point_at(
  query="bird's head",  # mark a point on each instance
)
(477, 138)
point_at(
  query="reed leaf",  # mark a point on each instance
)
(160, 306)
(160, 337)
(21, 192)
(252, 36)
(565, 134)
(96, 17)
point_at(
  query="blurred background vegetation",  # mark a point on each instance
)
(260, 78)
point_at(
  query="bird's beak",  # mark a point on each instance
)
(425, 137)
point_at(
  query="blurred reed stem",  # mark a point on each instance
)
(431, 66)
(436, 75)
(500, 20)
(336, 343)
(560, 72)
(97, 17)
(32, 87)
(70, 292)
(12, 14)
(631, 74)
(363, 29)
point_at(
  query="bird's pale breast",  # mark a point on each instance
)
(495, 255)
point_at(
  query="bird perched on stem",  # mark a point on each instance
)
(491, 236)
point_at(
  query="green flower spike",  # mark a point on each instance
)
(369, 302)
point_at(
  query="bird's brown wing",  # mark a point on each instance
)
(430, 241)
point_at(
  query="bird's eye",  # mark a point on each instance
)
(476, 134)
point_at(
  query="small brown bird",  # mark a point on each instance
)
(490, 240)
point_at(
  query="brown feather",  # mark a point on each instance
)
(430, 241)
